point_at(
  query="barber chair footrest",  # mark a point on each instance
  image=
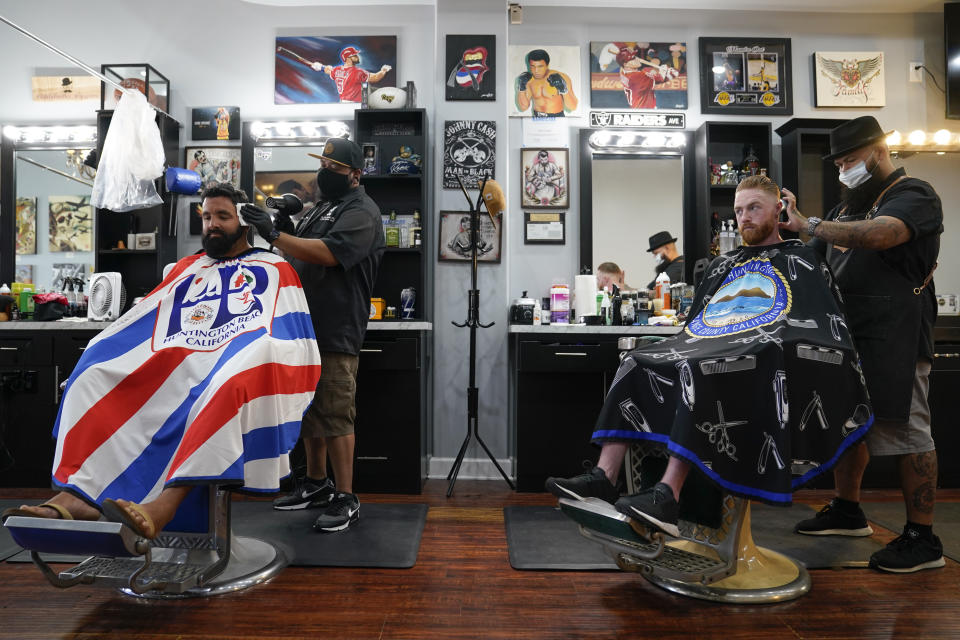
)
(176, 577)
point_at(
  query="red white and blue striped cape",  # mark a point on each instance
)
(203, 381)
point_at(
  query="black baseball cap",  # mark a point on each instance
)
(342, 151)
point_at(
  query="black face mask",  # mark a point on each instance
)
(217, 244)
(333, 185)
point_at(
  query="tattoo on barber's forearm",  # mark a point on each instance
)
(924, 497)
(879, 233)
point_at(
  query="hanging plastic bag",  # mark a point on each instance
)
(132, 158)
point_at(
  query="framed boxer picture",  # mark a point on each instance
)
(745, 76)
(544, 178)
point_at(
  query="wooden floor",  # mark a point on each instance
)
(463, 587)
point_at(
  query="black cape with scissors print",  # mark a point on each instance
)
(763, 373)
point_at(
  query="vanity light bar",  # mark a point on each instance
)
(652, 141)
(299, 130)
(35, 134)
(918, 140)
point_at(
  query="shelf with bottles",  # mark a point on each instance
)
(403, 231)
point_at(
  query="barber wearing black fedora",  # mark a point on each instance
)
(882, 243)
(663, 246)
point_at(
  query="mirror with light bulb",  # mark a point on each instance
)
(641, 180)
(49, 240)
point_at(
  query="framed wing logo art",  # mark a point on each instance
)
(849, 79)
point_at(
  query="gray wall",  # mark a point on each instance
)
(221, 52)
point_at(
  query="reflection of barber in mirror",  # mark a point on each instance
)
(663, 246)
(550, 91)
(609, 273)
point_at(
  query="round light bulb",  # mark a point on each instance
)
(942, 137)
(717, 69)
(917, 137)
(894, 138)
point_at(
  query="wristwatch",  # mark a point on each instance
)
(272, 236)
(812, 223)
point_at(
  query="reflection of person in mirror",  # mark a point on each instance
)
(638, 77)
(550, 91)
(461, 244)
(663, 246)
(544, 180)
(610, 273)
(348, 76)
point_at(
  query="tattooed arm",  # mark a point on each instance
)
(882, 232)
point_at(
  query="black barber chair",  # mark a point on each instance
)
(714, 558)
(195, 555)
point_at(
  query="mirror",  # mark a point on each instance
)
(54, 237)
(632, 185)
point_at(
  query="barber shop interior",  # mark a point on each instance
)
(479, 319)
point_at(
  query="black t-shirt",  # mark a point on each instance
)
(339, 296)
(674, 271)
(917, 205)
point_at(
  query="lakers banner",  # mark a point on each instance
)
(203, 381)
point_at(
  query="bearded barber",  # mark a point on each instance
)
(882, 243)
(663, 247)
(336, 249)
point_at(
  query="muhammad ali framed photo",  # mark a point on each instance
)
(746, 76)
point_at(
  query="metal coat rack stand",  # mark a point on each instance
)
(473, 323)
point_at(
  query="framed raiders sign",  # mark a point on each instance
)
(746, 76)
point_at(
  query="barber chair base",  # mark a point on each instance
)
(252, 562)
(686, 567)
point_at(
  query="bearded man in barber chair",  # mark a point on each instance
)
(882, 241)
(765, 331)
(204, 381)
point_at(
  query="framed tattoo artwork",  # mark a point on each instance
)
(746, 76)
(544, 173)
(848, 79)
(214, 164)
(455, 238)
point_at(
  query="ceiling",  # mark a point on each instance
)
(809, 6)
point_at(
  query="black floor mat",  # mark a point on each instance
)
(386, 535)
(946, 522)
(8, 547)
(543, 538)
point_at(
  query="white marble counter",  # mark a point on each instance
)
(635, 330)
(66, 325)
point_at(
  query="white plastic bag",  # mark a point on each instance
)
(132, 158)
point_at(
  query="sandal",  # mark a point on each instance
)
(62, 513)
(115, 512)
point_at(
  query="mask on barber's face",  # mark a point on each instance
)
(657, 259)
(332, 185)
(856, 175)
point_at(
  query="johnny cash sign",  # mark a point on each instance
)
(469, 151)
(633, 119)
(849, 78)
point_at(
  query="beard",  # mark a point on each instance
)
(218, 244)
(859, 199)
(756, 234)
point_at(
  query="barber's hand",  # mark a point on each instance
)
(523, 79)
(556, 81)
(258, 219)
(316, 66)
(283, 223)
(796, 221)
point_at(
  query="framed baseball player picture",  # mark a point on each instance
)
(849, 79)
(746, 76)
(471, 67)
(638, 75)
(545, 178)
(329, 69)
(544, 81)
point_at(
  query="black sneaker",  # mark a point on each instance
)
(592, 484)
(307, 495)
(655, 505)
(343, 511)
(833, 521)
(908, 553)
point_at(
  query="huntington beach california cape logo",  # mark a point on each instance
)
(209, 310)
(754, 294)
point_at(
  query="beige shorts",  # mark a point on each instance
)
(333, 410)
(887, 438)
